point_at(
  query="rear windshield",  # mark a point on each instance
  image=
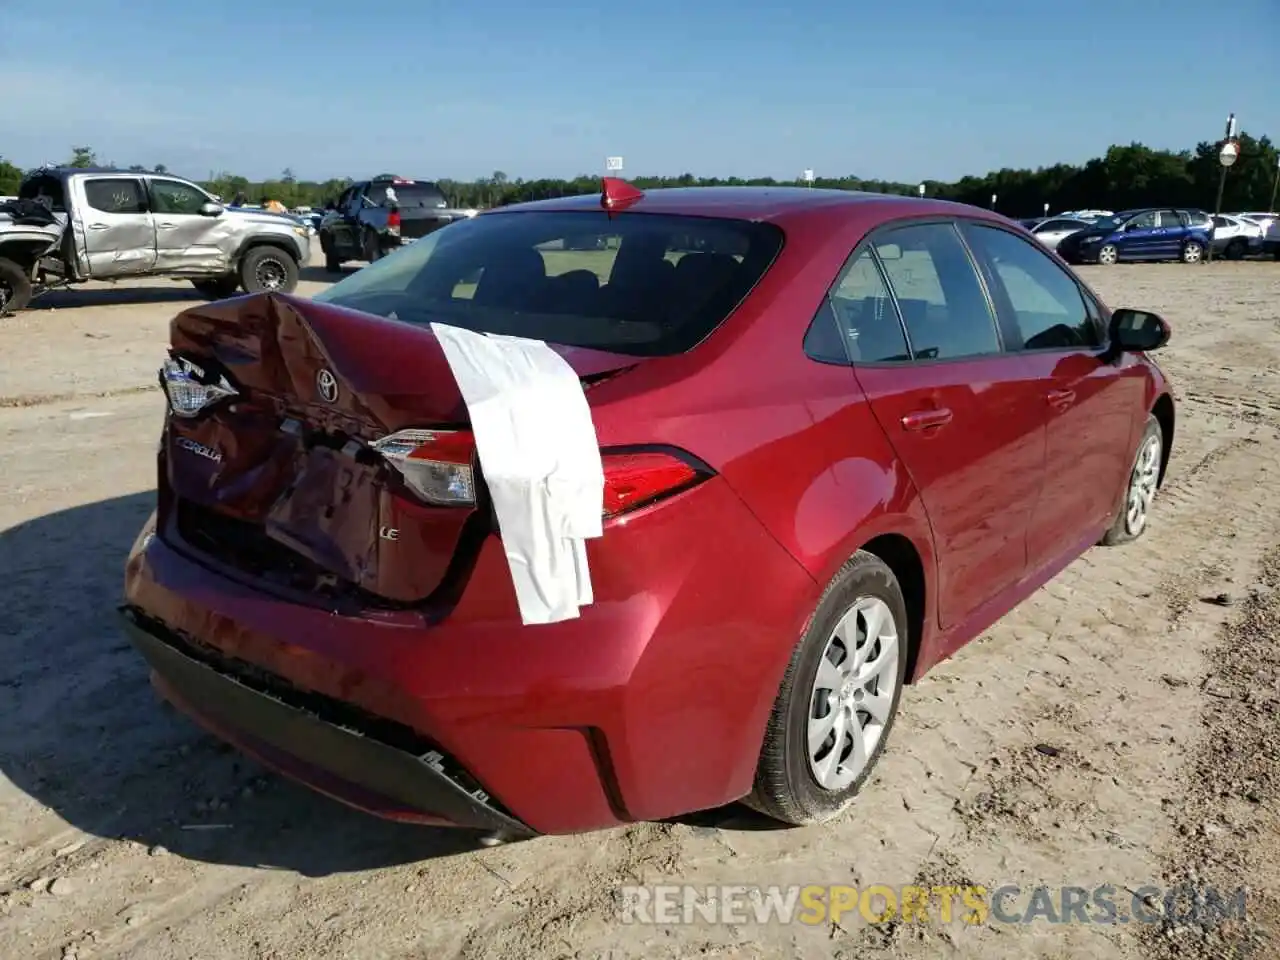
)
(638, 284)
(46, 188)
(407, 195)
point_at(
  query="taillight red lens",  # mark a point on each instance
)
(393, 221)
(634, 479)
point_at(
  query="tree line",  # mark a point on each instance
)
(1125, 176)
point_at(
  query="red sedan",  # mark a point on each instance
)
(841, 433)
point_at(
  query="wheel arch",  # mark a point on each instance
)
(900, 555)
(1163, 411)
(269, 240)
(25, 251)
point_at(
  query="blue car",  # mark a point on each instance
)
(1155, 233)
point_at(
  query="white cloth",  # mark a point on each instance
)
(538, 449)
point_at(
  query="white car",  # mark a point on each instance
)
(1235, 236)
(1087, 215)
(1052, 231)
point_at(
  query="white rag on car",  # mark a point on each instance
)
(541, 461)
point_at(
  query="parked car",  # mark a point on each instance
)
(1148, 234)
(1270, 226)
(373, 218)
(1051, 232)
(1235, 237)
(1088, 215)
(113, 225)
(324, 585)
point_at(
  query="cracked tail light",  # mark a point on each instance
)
(188, 388)
(435, 464)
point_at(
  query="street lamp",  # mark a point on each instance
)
(1275, 184)
(1228, 153)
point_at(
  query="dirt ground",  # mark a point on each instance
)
(1117, 729)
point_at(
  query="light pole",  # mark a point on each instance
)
(1228, 151)
(1275, 185)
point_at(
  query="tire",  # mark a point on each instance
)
(372, 247)
(1143, 481)
(786, 786)
(16, 289)
(1236, 249)
(268, 269)
(219, 288)
(1192, 252)
(331, 263)
(1108, 254)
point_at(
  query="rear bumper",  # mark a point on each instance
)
(652, 704)
(352, 765)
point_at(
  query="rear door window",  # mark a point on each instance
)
(642, 284)
(115, 195)
(942, 301)
(865, 317)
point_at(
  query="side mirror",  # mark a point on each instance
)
(211, 210)
(1136, 331)
(889, 251)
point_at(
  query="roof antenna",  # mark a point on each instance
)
(616, 194)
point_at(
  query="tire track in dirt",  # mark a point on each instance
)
(1056, 806)
(1227, 824)
(44, 399)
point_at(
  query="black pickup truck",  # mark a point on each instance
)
(374, 217)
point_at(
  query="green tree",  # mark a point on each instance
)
(83, 157)
(10, 178)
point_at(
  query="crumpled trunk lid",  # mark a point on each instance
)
(279, 482)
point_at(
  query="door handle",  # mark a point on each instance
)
(1061, 399)
(924, 419)
(166, 226)
(98, 226)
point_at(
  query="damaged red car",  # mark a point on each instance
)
(841, 433)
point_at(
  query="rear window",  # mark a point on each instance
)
(418, 194)
(46, 188)
(638, 284)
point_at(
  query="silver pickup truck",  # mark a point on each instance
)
(70, 225)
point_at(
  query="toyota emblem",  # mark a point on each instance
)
(327, 385)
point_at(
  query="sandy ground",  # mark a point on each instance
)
(1114, 730)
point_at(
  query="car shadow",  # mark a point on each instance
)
(83, 734)
(321, 275)
(116, 296)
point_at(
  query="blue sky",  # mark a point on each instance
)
(903, 90)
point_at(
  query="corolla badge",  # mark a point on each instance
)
(200, 450)
(327, 386)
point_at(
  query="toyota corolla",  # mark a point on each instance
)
(841, 435)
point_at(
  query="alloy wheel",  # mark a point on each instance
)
(1108, 254)
(270, 274)
(853, 693)
(1142, 486)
